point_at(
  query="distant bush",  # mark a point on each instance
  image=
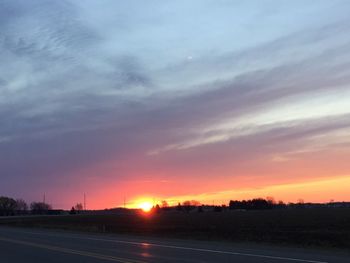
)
(253, 204)
(40, 208)
(21, 206)
(7, 206)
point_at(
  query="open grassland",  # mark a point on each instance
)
(303, 227)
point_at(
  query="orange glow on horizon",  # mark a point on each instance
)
(334, 188)
(145, 206)
(322, 189)
(144, 203)
(309, 176)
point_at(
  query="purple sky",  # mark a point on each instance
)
(107, 97)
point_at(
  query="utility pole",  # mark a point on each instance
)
(124, 202)
(44, 198)
(84, 202)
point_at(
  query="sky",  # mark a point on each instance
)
(209, 100)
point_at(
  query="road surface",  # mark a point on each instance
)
(27, 245)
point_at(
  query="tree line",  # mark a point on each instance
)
(251, 204)
(255, 204)
(10, 207)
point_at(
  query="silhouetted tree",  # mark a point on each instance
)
(186, 203)
(40, 207)
(280, 204)
(179, 207)
(260, 203)
(190, 204)
(254, 204)
(234, 204)
(78, 207)
(21, 206)
(7, 206)
(164, 204)
(271, 200)
(186, 206)
(156, 209)
(195, 203)
(301, 201)
(72, 211)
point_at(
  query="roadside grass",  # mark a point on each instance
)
(325, 227)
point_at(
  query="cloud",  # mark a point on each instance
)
(79, 88)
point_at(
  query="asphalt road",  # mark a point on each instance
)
(34, 246)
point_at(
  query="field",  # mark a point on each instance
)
(327, 227)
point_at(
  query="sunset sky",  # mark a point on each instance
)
(174, 100)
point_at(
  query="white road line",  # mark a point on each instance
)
(70, 251)
(180, 247)
(204, 250)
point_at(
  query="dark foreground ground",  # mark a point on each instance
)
(18, 245)
(325, 228)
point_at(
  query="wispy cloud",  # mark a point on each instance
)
(85, 83)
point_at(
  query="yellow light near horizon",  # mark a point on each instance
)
(146, 206)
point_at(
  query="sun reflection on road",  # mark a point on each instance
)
(145, 246)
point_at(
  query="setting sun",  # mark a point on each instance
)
(146, 206)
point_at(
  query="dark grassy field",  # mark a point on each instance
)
(301, 227)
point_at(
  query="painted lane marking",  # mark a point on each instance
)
(206, 250)
(71, 251)
(181, 247)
